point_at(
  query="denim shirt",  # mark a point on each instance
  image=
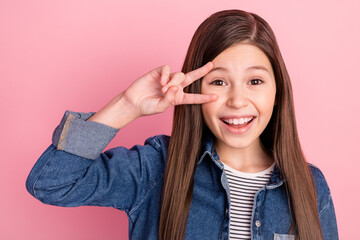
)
(73, 171)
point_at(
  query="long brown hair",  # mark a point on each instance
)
(218, 32)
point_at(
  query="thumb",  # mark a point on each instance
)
(169, 98)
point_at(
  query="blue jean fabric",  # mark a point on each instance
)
(74, 171)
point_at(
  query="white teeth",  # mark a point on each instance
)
(238, 121)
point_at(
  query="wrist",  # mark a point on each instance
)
(116, 114)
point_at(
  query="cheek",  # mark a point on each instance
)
(209, 111)
(205, 114)
(266, 103)
(206, 110)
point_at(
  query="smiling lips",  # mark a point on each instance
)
(237, 122)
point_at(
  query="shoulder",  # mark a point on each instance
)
(322, 187)
(319, 177)
(153, 149)
(159, 142)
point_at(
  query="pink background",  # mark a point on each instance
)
(77, 55)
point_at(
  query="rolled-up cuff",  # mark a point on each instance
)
(80, 137)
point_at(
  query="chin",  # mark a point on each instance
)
(239, 145)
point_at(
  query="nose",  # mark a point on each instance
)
(237, 98)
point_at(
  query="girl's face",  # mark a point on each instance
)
(244, 82)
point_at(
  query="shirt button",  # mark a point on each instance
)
(257, 223)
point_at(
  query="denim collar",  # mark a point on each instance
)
(210, 150)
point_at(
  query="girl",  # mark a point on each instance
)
(233, 166)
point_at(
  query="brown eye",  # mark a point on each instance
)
(218, 82)
(256, 81)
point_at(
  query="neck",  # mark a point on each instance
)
(254, 158)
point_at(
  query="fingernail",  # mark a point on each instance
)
(165, 89)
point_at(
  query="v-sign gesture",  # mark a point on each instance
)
(153, 93)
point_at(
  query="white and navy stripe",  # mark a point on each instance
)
(243, 187)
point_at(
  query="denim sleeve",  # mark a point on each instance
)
(328, 221)
(80, 137)
(325, 205)
(70, 174)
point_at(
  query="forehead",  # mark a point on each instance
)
(242, 57)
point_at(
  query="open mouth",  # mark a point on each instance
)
(237, 124)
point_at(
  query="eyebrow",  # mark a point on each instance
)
(257, 67)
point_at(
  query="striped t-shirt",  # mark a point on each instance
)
(243, 187)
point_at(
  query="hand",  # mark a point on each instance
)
(158, 90)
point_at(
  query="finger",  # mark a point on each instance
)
(165, 73)
(198, 98)
(168, 100)
(176, 80)
(157, 73)
(197, 73)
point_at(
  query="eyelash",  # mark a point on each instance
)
(250, 81)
